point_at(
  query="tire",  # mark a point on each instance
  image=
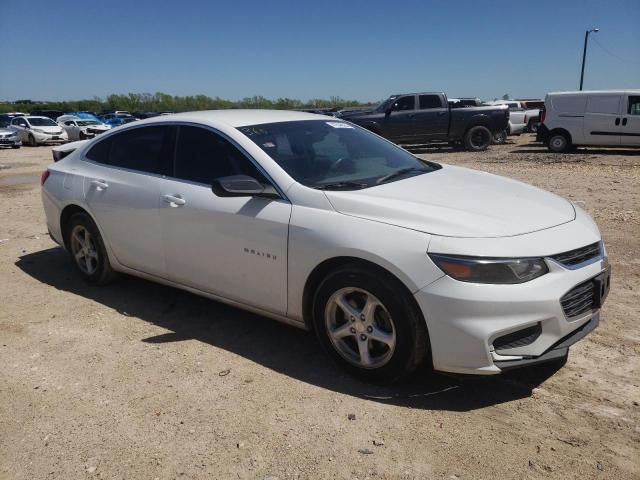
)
(500, 137)
(382, 346)
(477, 138)
(93, 265)
(15, 146)
(32, 141)
(558, 142)
(532, 127)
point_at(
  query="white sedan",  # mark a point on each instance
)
(81, 129)
(316, 222)
(35, 130)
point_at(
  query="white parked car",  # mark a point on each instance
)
(607, 118)
(9, 136)
(38, 130)
(81, 129)
(518, 119)
(316, 222)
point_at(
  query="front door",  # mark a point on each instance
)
(399, 123)
(235, 247)
(122, 185)
(630, 131)
(602, 120)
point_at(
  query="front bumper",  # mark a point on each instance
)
(10, 142)
(464, 320)
(49, 138)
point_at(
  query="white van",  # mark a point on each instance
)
(607, 118)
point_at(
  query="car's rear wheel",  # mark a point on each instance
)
(87, 250)
(558, 142)
(500, 137)
(477, 138)
(369, 325)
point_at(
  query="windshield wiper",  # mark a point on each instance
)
(399, 173)
(341, 185)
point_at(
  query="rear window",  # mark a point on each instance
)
(430, 101)
(604, 104)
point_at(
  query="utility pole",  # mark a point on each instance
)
(584, 52)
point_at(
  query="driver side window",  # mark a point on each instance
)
(202, 156)
(405, 103)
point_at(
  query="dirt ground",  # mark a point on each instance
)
(141, 381)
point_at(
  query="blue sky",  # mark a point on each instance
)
(362, 50)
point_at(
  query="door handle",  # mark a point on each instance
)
(617, 121)
(624, 122)
(174, 200)
(100, 184)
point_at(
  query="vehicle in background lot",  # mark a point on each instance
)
(317, 222)
(525, 110)
(531, 104)
(52, 114)
(9, 137)
(428, 118)
(7, 117)
(465, 102)
(590, 118)
(517, 116)
(117, 119)
(38, 130)
(143, 115)
(79, 129)
(82, 115)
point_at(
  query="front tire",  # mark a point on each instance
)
(477, 138)
(558, 143)
(15, 146)
(369, 324)
(86, 247)
(32, 141)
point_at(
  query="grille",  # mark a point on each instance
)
(579, 255)
(521, 338)
(579, 300)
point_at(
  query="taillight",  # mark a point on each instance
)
(526, 119)
(543, 114)
(44, 176)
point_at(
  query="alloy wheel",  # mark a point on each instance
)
(360, 328)
(83, 249)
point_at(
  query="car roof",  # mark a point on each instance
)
(239, 117)
(30, 117)
(587, 92)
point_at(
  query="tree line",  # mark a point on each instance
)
(162, 102)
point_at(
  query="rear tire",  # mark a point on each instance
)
(84, 243)
(477, 139)
(558, 142)
(500, 137)
(369, 324)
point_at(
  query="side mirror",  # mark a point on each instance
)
(241, 186)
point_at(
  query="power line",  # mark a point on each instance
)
(606, 50)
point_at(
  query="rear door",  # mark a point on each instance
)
(432, 118)
(630, 123)
(602, 122)
(235, 247)
(122, 188)
(400, 123)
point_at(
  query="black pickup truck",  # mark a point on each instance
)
(428, 118)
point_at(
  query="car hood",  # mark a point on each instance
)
(457, 202)
(49, 128)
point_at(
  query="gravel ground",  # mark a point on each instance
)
(137, 380)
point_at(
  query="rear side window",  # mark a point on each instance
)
(202, 156)
(430, 101)
(604, 104)
(569, 104)
(634, 105)
(145, 149)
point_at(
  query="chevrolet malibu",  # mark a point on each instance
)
(313, 221)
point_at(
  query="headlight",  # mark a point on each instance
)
(37, 130)
(491, 270)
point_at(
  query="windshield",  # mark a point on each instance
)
(85, 123)
(382, 107)
(41, 122)
(329, 154)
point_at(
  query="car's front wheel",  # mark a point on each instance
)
(87, 250)
(369, 324)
